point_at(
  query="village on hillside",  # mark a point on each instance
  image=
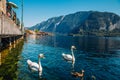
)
(35, 32)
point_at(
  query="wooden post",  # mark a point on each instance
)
(14, 45)
(0, 50)
(0, 44)
(10, 43)
(14, 40)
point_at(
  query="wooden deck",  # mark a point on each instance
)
(8, 27)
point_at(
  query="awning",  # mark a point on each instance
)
(12, 4)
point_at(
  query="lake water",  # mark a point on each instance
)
(98, 56)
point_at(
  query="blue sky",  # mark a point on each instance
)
(36, 11)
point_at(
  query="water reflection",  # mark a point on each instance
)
(98, 56)
(89, 44)
(0, 59)
(96, 44)
(9, 59)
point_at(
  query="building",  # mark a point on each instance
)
(3, 6)
(10, 30)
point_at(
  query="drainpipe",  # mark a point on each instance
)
(22, 25)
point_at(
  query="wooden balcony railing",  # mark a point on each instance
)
(8, 26)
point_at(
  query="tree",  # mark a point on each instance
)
(36, 30)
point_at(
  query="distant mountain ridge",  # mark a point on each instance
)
(79, 22)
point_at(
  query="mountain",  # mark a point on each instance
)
(81, 22)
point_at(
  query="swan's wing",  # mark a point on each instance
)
(33, 65)
(33, 68)
(67, 57)
(29, 62)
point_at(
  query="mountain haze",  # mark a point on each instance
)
(78, 22)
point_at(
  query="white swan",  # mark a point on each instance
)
(70, 57)
(36, 66)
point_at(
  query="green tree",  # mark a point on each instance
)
(36, 30)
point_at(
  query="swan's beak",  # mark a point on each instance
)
(43, 57)
(75, 48)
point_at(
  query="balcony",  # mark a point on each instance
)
(8, 27)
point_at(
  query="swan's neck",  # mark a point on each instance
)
(39, 63)
(72, 52)
(40, 68)
(73, 57)
(82, 73)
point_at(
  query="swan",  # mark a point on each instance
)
(36, 66)
(69, 57)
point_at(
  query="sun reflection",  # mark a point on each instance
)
(9, 60)
(0, 58)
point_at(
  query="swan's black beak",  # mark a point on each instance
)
(74, 48)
